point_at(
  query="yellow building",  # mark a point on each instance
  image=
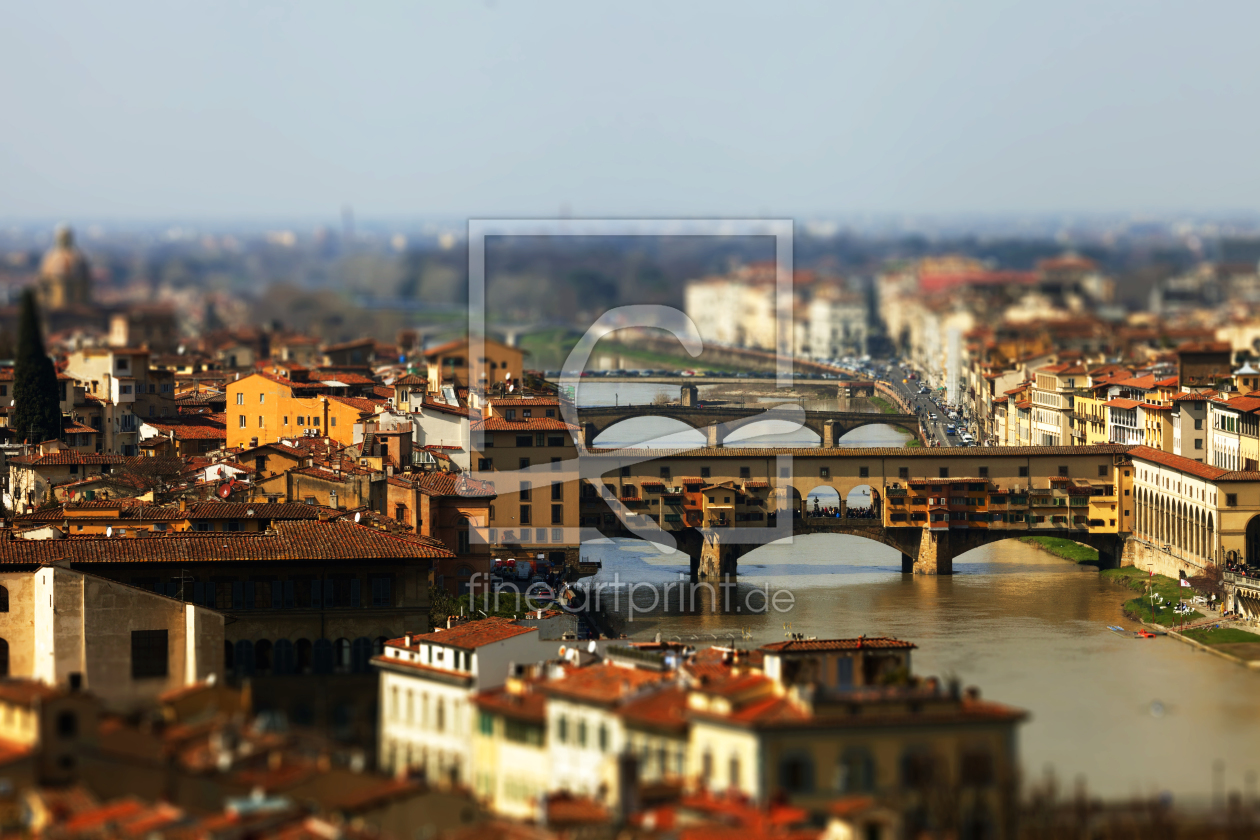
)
(262, 409)
(1091, 416)
(450, 364)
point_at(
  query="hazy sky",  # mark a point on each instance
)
(237, 109)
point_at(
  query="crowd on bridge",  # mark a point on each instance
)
(835, 512)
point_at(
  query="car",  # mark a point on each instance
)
(949, 430)
(932, 417)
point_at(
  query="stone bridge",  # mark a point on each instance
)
(718, 422)
(715, 552)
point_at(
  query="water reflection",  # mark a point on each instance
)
(1026, 627)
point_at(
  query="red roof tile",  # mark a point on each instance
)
(468, 636)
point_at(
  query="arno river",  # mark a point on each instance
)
(1129, 716)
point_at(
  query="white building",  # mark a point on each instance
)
(426, 689)
(837, 324)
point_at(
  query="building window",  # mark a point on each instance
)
(706, 472)
(557, 514)
(903, 472)
(525, 520)
(1023, 472)
(1063, 472)
(944, 472)
(242, 421)
(864, 472)
(1231, 500)
(1102, 471)
(240, 398)
(149, 654)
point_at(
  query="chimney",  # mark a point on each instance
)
(407, 640)
(183, 504)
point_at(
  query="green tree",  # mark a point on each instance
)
(36, 403)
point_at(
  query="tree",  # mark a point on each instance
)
(36, 402)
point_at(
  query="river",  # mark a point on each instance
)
(1128, 716)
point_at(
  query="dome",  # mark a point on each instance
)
(64, 259)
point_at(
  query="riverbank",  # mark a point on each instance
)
(1158, 595)
(1082, 555)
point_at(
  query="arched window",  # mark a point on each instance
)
(322, 656)
(360, 654)
(341, 656)
(229, 657)
(463, 542)
(262, 656)
(4, 599)
(282, 658)
(796, 773)
(378, 646)
(67, 725)
(855, 772)
(4, 658)
(918, 768)
(245, 658)
(304, 658)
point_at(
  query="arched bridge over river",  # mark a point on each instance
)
(719, 422)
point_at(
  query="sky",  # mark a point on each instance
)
(501, 108)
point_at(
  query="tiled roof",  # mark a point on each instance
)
(66, 457)
(360, 403)
(524, 401)
(1119, 402)
(191, 427)
(451, 484)
(253, 510)
(602, 684)
(411, 379)
(527, 424)
(468, 636)
(525, 706)
(454, 344)
(821, 645)
(439, 406)
(1143, 382)
(289, 540)
(343, 378)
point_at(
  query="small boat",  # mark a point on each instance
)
(1113, 628)
(1146, 634)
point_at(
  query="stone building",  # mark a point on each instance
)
(65, 279)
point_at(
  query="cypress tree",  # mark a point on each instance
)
(36, 404)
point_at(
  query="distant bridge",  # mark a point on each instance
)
(719, 422)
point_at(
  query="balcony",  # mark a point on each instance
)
(1251, 583)
(896, 491)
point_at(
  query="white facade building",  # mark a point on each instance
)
(426, 688)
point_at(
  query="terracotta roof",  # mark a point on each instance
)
(524, 401)
(468, 636)
(24, 691)
(452, 484)
(289, 540)
(602, 684)
(66, 457)
(454, 344)
(253, 510)
(1143, 382)
(819, 645)
(360, 403)
(538, 424)
(1119, 402)
(343, 378)
(191, 427)
(437, 405)
(526, 706)
(411, 379)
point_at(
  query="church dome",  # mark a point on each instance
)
(64, 259)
